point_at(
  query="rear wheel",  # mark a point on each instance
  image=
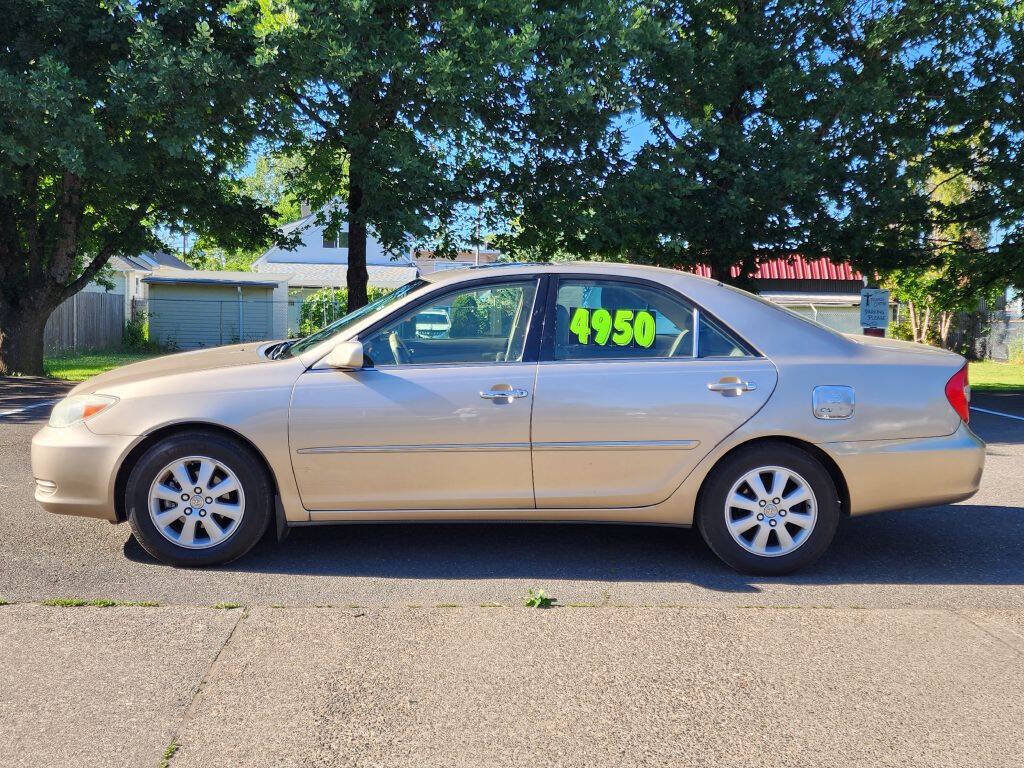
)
(198, 499)
(769, 509)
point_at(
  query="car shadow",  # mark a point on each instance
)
(960, 544)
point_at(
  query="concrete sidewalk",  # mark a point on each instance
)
(579, 686)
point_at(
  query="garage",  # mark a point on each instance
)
(189, 310)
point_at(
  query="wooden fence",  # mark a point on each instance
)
(86, 321)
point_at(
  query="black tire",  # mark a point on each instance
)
(246, 466)
(711, 514)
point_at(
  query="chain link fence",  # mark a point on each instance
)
(994, 335)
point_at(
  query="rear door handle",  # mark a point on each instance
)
(508, 395)
(731, 386)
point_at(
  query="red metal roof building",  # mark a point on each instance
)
(797, 269)
(817, 288)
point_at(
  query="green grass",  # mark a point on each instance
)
(227, 606)
(78, 602)
(996, 377)
(79, 366)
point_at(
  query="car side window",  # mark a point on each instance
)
(607, 319)
(480, 324)
(715, 341)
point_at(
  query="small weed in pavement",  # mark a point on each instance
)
(538, 599)
(169, 754)
(78, 602)
(227, 606)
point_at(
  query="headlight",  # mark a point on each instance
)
(78, 408)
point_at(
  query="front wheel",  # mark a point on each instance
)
(198, 499)
(769, 509)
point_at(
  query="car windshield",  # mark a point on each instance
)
(297, 347)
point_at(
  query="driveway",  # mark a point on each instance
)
(407, 645)
(964, 555)
(26, 398)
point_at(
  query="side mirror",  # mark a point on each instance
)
(346, 356)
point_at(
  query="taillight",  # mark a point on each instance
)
(958, 392)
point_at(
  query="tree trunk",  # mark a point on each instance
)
(945, 324)
(21, 338)
(357, 275)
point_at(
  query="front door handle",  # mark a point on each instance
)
(732, 386)
(506, 395)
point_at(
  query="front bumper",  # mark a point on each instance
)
(75, 470)
(919, 472)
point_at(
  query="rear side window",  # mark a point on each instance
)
(612, 320)
(599, 319)
(714, 341)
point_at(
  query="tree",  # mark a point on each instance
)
(803, 128)
(394, 105)
(116, 118)
(269, 182)
(949, 284)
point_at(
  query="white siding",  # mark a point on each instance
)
(311, 250)
(117, 279)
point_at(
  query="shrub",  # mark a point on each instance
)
(901, 331)
(136, 334)
(322, 308)
(329, 304)
(1016, 352)
(136, 331)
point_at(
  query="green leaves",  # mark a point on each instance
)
(116, 119)
(776, 129)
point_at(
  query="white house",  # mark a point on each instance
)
(322, 262)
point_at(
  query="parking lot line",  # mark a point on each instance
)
(997, 413)
(24, 408)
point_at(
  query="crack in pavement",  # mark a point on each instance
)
(201, 686)
(997, 630)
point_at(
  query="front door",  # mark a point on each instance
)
(440, 419)
(622, 409)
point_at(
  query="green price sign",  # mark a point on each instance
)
(621, 327)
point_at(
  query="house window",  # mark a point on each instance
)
(339, 241)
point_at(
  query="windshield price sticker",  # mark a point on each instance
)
(621, 327)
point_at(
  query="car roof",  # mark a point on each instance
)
(611, 268)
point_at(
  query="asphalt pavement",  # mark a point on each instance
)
(963, 555)
(408, 645)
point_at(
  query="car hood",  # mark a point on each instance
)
(181, 362)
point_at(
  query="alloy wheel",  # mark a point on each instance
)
(771, 511)
(196, 502)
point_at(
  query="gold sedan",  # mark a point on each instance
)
(526, 392)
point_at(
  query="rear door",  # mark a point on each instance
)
(635, 387)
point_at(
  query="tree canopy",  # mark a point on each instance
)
(806, 127)
(117, 118)
(714, 132)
